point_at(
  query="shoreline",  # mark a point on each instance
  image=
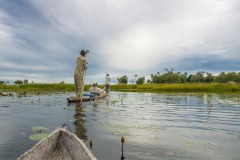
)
(152, 88)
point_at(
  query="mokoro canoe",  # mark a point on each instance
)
(3, 94)
(87, 98)
(59, 145)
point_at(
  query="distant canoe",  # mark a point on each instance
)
(3, 94)
(59, 145)
(87, 98)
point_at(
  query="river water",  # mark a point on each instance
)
(155, 126)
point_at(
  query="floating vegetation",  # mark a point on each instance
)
(108, 110)
(153, 138)
(119, 129)
(114, 101)
(39, 129)
(38, 137)
(88, 108)
(189, 144)
(125, 130)
(122, 131)
(154, 127)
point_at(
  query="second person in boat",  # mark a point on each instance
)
(97, 91)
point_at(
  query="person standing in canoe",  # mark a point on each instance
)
(107, 82)
(79, 74)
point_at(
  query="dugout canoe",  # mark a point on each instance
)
(59, 145)
(3, 94)
(87, 98)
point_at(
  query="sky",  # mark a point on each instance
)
(41, 39)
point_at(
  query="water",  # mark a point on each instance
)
(155, 126)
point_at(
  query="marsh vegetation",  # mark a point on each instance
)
(158, 88)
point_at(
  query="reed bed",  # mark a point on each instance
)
(191, 88)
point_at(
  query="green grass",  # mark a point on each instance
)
(185, 88)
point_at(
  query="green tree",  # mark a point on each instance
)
(140, 80)
(123, 79)
(18, 82)
(1, 82)
(25, 81)
(238, 77)
(171, 77)
(198, 77)
(232, 76)
(156, 78)
(209, 78)
(149, 81)
(221, 78)
(184, 77)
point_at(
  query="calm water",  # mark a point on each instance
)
(155, 126)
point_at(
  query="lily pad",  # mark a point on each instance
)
(39, 128)
(38, 137)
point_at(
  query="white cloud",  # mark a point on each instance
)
(124, 37)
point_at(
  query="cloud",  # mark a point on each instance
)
(124, 37)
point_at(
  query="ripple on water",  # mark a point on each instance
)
(155, 126)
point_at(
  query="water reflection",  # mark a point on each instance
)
(80, 129)
(156, 126)
(94, 107)
(122, 157)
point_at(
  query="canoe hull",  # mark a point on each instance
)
(73, 99)
(86, 98)
(61, 145)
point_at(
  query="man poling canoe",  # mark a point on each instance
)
(79, 74)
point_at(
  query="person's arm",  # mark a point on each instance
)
(85, 63)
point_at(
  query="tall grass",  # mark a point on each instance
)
(37, 88)
(192, 88)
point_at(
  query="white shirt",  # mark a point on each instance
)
(107, 80)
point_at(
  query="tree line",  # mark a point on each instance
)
(168, 77)
(177, 77)
(25, 81)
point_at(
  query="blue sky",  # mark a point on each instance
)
(40, 40)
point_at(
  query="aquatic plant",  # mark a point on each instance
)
(38, 137)
(39, 128)
(176, 87)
